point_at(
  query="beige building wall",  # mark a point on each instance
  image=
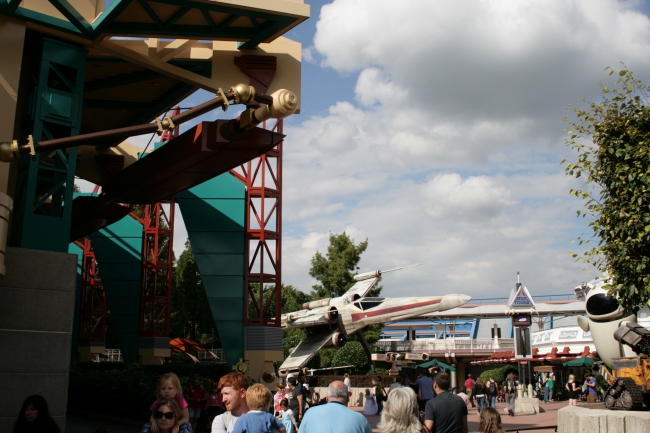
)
(12, 38)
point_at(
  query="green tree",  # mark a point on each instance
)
(190, 307)
(326, 356)
(350, 354)
(335, 271)
(612, 138)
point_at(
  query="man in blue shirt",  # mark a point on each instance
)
(591, 389)
(425, 392)
(334, 417)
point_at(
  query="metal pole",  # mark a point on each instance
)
(102, 137)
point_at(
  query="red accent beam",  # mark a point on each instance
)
(92, 308)
(197, 155)
(157, 263)
(263, 240)
(360, 316)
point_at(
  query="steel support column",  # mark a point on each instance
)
(263, 241)
(92, 307)
(46, 181)
(156, 283)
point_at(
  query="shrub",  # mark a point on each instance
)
(127, 392)
(351, 354)
(499, 373)
(378, 371)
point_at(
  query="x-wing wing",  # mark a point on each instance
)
(327, 322)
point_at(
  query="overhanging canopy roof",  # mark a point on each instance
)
(250, 22)
(436, 363)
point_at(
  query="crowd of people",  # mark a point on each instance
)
(425, 405)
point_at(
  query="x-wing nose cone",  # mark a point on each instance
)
(453, 301)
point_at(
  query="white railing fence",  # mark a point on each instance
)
(446, 345)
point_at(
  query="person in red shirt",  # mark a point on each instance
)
(195, 396)
(469, 386)
(214, 403)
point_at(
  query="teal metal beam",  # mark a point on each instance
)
(118, 249)
(152, 14)
(267, 30)
(11, 5)
(47, 21)
(56, 112)
(224, 25)
(106, 24)
(209, 19)
(181, 31)
(178, 15)
(74, 249)
(72, 15)
(109, 15)
(214, 215)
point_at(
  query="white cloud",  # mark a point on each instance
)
(475, 197)
(449, 154)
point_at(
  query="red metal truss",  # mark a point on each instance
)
(263, 246)
(157, 252)
(92, 308)
(157, 261)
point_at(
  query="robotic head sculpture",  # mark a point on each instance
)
(604, 317)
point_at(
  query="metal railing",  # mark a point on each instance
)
(205, 356)
(475, 345)
(112, 355)
(115, 355)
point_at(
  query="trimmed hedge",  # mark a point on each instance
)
(127, 392)
(499, 373)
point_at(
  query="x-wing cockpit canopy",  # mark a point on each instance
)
(368, 303)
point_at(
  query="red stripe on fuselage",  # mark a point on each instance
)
(366, 314)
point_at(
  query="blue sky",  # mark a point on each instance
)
(434, 129)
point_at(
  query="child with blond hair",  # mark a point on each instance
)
(258, 419)
(169, 388)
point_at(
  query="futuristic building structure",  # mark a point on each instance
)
(77, 79)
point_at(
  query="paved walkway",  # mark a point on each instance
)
(547, 417)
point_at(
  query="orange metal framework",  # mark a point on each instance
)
(263, 241)
(157, 262)
(92, 308)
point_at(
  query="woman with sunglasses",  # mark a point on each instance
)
(167, 413)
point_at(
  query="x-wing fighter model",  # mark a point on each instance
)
(327, 322)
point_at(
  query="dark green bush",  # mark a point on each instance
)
(128, 392)
(499, 373)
